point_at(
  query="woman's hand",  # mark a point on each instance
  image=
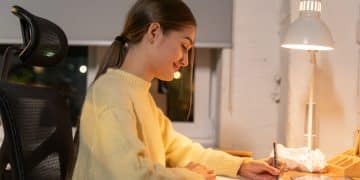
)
(202, 170)
(260, 169)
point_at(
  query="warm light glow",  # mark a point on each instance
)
(38, 69)
(310, 5)
(177, 75)
(308, 31)
(83, 69)
(307, 47)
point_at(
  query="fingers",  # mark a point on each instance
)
(210, 171)
(201, 169)
(263, 177)
(191, 165)
(281, 165)
(259, 170)
(270, 160)
(269, 169)
(210, 177)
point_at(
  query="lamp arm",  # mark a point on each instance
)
(311, 102)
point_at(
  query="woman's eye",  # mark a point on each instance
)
(185, 48)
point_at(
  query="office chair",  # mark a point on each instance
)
(36, 119)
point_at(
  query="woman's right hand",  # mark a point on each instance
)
(202, 170)
(260, 169)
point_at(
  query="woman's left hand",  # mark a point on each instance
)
(207, 173)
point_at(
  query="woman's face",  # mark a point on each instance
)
(171, 52)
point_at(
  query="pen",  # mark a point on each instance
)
(357, 144)
(275, 158)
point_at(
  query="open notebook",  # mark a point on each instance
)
(320, 178)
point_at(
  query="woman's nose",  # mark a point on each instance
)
(185, 60)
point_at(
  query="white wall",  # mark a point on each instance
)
(337, 84)
(250, 119)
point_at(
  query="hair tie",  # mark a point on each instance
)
(121, 39)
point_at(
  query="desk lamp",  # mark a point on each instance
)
(308, 32)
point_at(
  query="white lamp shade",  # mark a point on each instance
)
(308, 33)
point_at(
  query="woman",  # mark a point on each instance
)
(123, 134)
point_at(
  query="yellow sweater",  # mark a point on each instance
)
(124, 135)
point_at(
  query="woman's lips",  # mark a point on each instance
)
(176, 67)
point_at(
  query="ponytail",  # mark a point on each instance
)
(114, 56)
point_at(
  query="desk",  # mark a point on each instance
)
(289, 174)
(224, 178)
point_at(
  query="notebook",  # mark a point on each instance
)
(320, 177)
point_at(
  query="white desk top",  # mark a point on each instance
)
(224, 178)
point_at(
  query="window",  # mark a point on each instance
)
(175, 98)
(201, 124)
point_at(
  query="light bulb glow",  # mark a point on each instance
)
(307, 47)
(310, 5)
(177, 75)
(83, 69)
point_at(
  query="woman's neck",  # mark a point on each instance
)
(135, 63)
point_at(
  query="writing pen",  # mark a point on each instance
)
(357, 144)
(275, 158)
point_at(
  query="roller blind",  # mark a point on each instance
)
(97, 22)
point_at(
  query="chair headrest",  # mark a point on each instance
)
(44, 43)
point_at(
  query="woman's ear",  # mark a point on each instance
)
(153, 33)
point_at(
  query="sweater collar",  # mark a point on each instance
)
(132, 79)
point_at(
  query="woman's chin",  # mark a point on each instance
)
(167, 78)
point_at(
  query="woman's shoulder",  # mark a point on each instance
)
(110, 85)
(109, 91)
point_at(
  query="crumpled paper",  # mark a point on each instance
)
(301, 159)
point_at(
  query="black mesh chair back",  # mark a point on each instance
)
(41, 118)
(36, 120)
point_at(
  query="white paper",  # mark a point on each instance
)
(301, 158)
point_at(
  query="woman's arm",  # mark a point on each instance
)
(120, 154)
(180, 150)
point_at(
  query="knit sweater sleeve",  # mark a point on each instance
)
(180, 150)
(121, 152)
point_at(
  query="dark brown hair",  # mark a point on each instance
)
(170, 14)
